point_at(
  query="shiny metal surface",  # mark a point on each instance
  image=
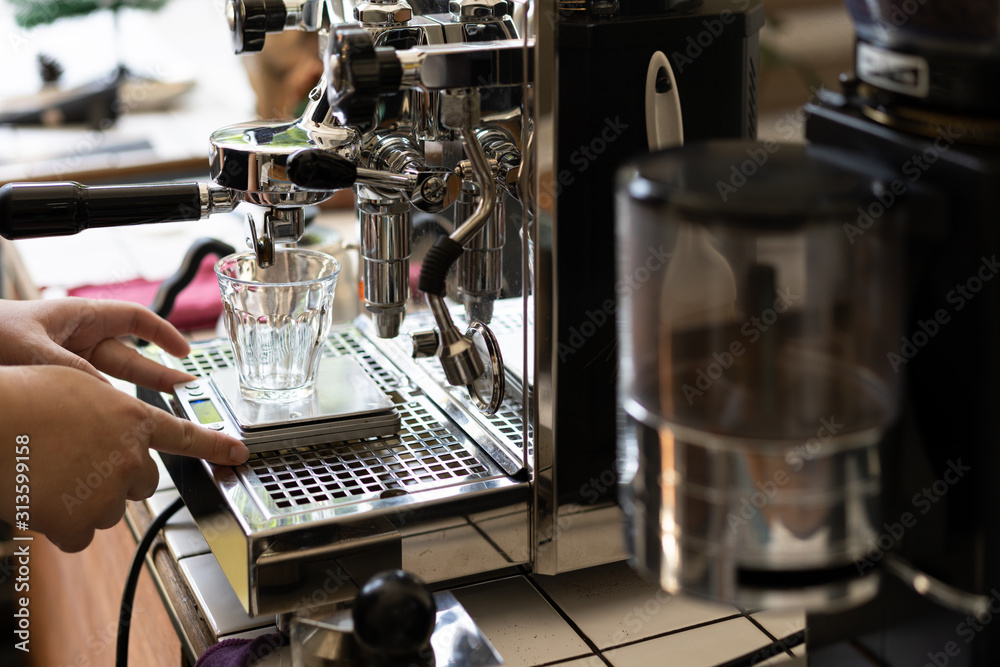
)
(383, 12)
(385, 258)
(487, 391)
(478, 10)
(456, 640)
(290, 523)
(343, 389)
(447, 66)
(480, 268)
(425, 343)
(546, 107)
(250, 158)
(720, 515)
(215, 199)
(502, 434)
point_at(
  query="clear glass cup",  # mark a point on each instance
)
(277, 319)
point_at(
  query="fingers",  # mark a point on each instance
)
(58, 356)
(117, 359)
(180, 436)
(118, 318)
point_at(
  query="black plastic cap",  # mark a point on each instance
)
(394, 614)
(318, 170)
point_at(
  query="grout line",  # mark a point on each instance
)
(563, 661)
(576, 628)
(769, 635)
(490, 541)
(675, 632)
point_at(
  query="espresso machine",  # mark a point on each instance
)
(481, 138)
(808, 422)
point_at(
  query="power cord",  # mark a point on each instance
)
(128, 595)
(763, 654)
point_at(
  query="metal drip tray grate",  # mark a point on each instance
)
(508, 422)
(424, 454)
(428, 452)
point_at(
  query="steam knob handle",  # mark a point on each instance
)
(319, 170)
(251, 20)
(394, 614)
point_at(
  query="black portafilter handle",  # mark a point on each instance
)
(394, 617)
(313, 169)
(31, 210)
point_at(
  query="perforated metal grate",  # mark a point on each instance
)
(424, 454)
(204, 360)
(428, 452)
(508, 422)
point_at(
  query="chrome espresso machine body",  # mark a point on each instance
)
(480, 134)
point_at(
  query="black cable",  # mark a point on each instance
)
(775, 648)
(128, 595)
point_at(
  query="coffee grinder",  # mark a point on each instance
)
(905, 570)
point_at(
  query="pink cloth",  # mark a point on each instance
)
(197, 307)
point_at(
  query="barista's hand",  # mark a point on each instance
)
(82, 334)
(89, 449)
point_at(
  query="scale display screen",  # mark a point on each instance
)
(205, 411)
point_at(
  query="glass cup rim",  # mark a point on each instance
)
(279, 251)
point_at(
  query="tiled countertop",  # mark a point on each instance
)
(601, 616)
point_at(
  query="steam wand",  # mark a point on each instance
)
(457, 352)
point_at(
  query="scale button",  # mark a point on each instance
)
(216, 427)
(193, 385)
(195, 393)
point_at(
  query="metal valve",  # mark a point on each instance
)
(429, 189)
(251, 20)
(357, 74)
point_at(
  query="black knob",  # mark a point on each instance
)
(313, 169)
(357, 74)
(250, 20)
(394, 614)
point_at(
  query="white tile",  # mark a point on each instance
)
(520, 623)
(183, 537)
(450, 554)
(160, 500)
(612, 605)
(165, 481)
(782, 623)
(702, 647)
(589, 661)
(181, 533)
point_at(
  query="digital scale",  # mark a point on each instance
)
(346, 405)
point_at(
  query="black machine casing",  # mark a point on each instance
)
(942, 461)
(602, 66)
